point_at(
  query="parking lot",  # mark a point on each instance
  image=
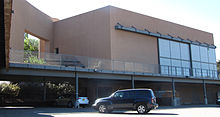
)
(183, 111)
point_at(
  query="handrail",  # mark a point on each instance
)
(30, 57)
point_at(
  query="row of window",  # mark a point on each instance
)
(132, 94)
(175, 59)
(203, 54)
(172, 49)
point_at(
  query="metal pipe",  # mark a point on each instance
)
(174, 92)
(45, 91)
(77, 90)
(132, 81)
(205, 93)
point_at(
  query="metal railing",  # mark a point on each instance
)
(30, 57)
(186, 72)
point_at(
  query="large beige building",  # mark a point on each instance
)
(129, 42)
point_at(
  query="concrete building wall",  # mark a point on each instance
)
(87, 34)
(128, 18)
(27, 18)
(189, 93)
(212, 93)
(127, 46)
(130, 46)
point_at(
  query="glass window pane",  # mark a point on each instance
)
(204, 54)
(204, 72)
(164, 69)
(212, 58)
(176, 63)
(205, 66)
(176, 71)
(186, 71)
(215, 74)
(165, 61)
(215, 67)
(196, 65)
(186, 64)
(175, 49)
(184, 51)
(195, 52)
(164, 48)
(179, 71)
(197, 72)
(211, 73)
(211, 66)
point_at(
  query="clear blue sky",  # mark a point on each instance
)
(200, 14)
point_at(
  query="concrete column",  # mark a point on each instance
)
(45, 91)
(204, 91)
(77, 89)
(174, 92)
(132, 82)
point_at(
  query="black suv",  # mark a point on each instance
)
(142, 100)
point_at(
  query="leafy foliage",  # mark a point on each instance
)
(31, 47)
(61, 88)
(34, 90)
(34, 60)
(9, 90)
(218, 65)
(30, 44)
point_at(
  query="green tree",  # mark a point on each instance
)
(9, 90)
(30, 44)
(31, 48)
(34, 60)
(61, 88)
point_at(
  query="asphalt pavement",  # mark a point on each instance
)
(180, 111)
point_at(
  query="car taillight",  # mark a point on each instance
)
(153, 100)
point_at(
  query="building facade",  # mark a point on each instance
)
(119, 49)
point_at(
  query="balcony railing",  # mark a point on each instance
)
(187, 72)
(29, 57)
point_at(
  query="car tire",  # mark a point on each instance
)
(102, 108)
(69, 104)
(142, 109)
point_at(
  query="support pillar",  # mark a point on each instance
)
(45, 91)
(77, 89)
(132, 82)
(174, 92)
(205, 93)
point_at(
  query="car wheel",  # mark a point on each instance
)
(141, 108)
(103, 108)
(69, 104)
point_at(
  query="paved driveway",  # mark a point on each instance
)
(184, 111)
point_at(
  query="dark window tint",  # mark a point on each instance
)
(128, 94)
(124, 94)
(119, 95)
(143, 93)
(57, 50)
